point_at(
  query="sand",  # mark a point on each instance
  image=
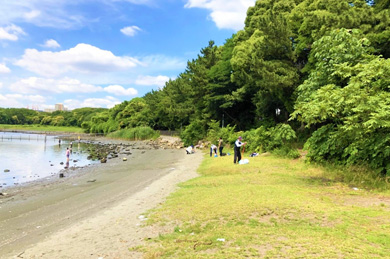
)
(94, 212)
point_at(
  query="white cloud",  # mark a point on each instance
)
(227, 14)
(64, 14)
(19, 100)
(120, 90)
(4, 69)
(32, 14)
(83, 58)
(51, 44)
(42, 85)
(140, 2)
(11, 32)
(130, 30)
(107, 102)
(161, 62)
(43, 13)
(152, 80)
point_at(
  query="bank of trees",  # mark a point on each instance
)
(315, 70)
(74, 118)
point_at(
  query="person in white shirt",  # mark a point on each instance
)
(213, 148)
(237, 149)
(190, 150)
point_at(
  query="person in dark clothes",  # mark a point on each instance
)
(237, 149)
(220, 146)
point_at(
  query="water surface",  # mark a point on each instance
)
(29, 157)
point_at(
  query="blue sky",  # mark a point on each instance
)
(98, 53)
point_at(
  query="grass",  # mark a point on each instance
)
(41, 128)
(271, 207)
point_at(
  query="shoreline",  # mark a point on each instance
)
(33, 212)
(102, 149)
(88, 156)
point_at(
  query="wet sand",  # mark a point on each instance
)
(94, 211)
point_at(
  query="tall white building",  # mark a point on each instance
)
(59, 107)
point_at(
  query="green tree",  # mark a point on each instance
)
(221, 104)
(262, 61)
(379, 33)
(312, 19)
(135, 114)
(347, 96)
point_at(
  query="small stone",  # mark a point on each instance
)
(6, 170)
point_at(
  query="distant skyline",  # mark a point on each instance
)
(98, 53)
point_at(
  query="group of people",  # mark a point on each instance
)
(214, 148)
(237, 149)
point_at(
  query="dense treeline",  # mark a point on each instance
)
(316, 70)
(75, 118)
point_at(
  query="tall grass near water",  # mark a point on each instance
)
(270, 208)
(138, 133)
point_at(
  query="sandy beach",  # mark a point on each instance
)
(93, 212)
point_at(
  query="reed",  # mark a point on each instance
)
(139, 133)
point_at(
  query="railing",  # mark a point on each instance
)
(23, 135)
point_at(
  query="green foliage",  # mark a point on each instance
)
(215, 132)
(138, 133)
(193, 133)
(262, 61)
(58, 118)
(40, 128)
(134, 114)
(312, 19)
(102, 123)
(278, 140)
(348, 94)
(46, 120)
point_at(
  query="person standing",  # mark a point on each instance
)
(220, 146)
(237, 149)
(67, 154)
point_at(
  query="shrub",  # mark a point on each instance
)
(215, 132)
(277, 140)
(192, 133)
(138, 133)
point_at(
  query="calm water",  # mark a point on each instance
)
(30, 157)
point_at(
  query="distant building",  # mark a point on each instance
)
(49, 110)
(59, 107)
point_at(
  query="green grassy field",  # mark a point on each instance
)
(270, 208)
(41, 128)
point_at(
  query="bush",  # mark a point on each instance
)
(277, 140)
(138, 133)
(193, 133)
(330, 143)
(215, 132)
